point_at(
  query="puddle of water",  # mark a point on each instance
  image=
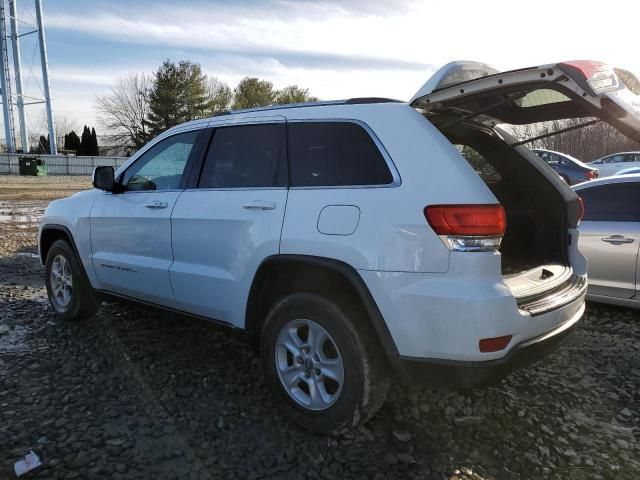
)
(21, 214)
(27, 254)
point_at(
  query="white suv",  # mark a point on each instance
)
(352, 240)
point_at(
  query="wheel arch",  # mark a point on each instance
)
(281, 274)
(49, 234)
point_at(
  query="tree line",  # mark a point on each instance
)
(586, 143)
(87, 144)
(142, 106)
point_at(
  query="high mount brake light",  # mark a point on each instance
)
(468, 227)
(600, 77)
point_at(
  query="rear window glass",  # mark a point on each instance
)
(246, 156)
(612, 203)
(335, 154)
(542, 96)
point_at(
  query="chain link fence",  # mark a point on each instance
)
(59, 164)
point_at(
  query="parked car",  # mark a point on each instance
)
(351, 240)
(610, 238)
(569, 168)
(612, 164)
(629, 171)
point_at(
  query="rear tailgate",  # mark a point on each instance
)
(557, 91)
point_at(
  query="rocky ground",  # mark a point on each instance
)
(136, 393)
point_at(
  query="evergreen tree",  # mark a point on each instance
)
(179, 94)
(72, 141)
(44, 146)
(85, 140)
(252, 92)
(294, 94)
(94, 143)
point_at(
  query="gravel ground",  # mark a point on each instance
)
(136, 393)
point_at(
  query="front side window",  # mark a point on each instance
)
(246, 156)
(335, 154)
(612, 203)
(161, 167)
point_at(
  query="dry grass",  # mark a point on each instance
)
(15, 187)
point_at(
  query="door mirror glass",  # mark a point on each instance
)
(103, 178)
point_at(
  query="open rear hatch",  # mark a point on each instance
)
(467, 100)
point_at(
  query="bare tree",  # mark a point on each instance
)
(586, 143)
(63, 125)
(220, 95)
(124, 112)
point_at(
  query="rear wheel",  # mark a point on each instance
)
(70, 294)
(324, 372)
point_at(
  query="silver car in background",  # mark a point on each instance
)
(612, 164)
(610, 238)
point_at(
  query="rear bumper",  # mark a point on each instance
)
(471, 374)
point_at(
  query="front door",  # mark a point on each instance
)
(230, 220)
(609, 237)
(131, 230)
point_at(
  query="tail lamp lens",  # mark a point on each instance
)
(468, 227)
(473, 220)
(599, 76)
(581, 204)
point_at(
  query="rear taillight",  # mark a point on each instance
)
(581, 213)
(591, 174)
(468, 227)
(599, 76)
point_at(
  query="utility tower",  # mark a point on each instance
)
(19, 99)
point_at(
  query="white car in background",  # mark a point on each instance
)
(612, 164)
(351, 239)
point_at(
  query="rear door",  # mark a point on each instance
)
(610, 237)
(230, 218)
(578, 89)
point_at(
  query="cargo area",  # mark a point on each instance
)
(534, 248)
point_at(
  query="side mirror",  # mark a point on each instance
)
(103, 178)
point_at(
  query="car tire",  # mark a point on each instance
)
(330, 382)
(70, 293)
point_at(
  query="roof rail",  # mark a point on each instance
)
(349, 101)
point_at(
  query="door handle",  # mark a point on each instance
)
(156, 204)
(259, 205)
(617, 239)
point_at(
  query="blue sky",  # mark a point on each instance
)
(337, 49)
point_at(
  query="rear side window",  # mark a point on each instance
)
(335, 154)
(481, 165)
(246, 156)
(612, 203)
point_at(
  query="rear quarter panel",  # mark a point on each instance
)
(392, 233)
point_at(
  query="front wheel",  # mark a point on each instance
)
(325, 373)
(70, 294)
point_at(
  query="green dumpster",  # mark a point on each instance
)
(32, 166)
